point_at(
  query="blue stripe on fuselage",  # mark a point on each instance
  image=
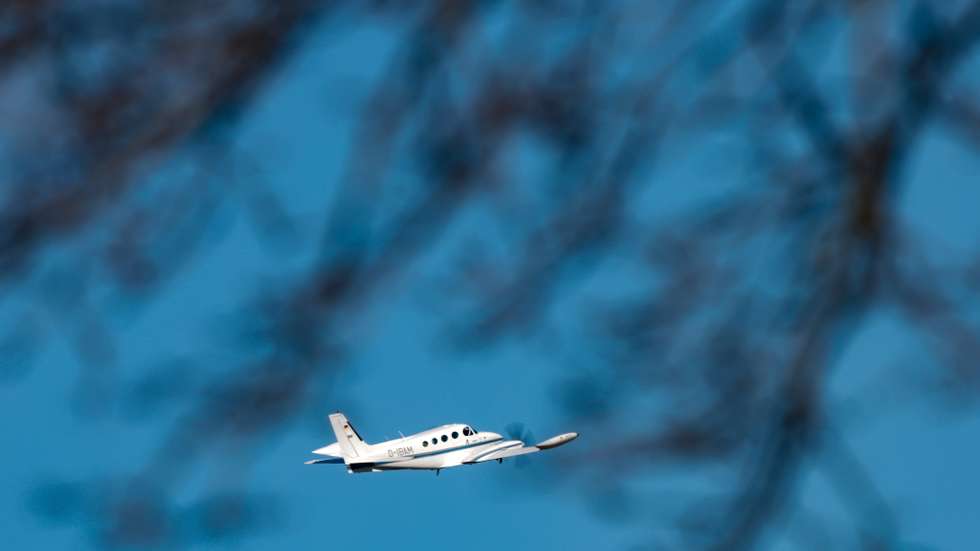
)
(383, 460)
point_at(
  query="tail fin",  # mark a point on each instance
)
(351, 443)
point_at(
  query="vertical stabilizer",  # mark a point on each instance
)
(351, 443)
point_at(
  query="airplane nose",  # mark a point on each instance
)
(492, 435)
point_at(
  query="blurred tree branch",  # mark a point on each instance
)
(746, 302)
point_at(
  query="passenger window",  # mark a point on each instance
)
(455, 434)
(466, 431)
(444, 438)
(434, 441)
(425, 443)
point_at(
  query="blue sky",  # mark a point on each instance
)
(403, 379)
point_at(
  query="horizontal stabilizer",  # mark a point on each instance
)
(332, 450)
(331, 460)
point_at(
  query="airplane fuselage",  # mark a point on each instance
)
(438, 448)
(434, 449)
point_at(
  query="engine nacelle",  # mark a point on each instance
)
(556, 441)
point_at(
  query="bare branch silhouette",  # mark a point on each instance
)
(563, 126)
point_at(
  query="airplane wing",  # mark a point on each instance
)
(506, 452)
(518, 448)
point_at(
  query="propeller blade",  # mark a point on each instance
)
(515, 430)
(521, 461)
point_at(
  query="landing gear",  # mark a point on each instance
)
(437, 472)
(501, 460)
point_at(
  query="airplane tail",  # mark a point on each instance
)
(351, 443)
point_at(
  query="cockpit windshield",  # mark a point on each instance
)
(466, 431)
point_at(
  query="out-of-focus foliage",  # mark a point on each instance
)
(551, 122)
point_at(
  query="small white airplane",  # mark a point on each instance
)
(433, 449)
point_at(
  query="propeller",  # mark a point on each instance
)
(518, 431)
